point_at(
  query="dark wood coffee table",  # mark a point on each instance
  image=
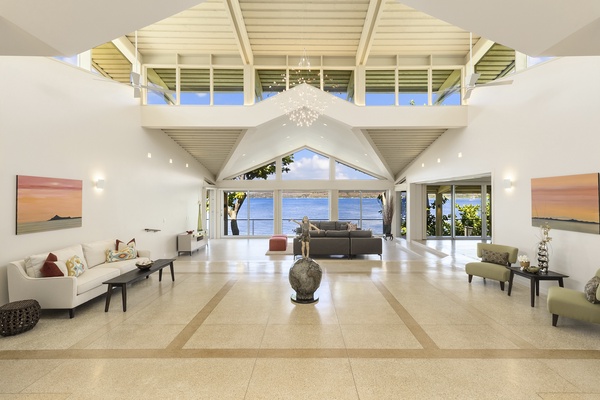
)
(535, 280)
(134, 276)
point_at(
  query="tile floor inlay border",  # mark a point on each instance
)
(414, 327)
(433, 354)
(186, 333)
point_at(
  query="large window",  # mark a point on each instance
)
(412, 87)
(161, 78)
(228, 87)
(446, 86)
(269, 82)
(195, 86)
(459, 211)
(307, 165)
(361, 208)
(380, 88)
(255, 215)
(339, 83)
(343, 171)
(297, 204)
(439, 217)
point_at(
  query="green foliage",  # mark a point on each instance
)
(236, 199)
(469, 217)
(431, 223)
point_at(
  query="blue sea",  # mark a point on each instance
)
(260, 219)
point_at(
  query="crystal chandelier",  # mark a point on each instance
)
(303, 104)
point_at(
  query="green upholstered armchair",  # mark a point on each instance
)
(494, 260)
(573, 304)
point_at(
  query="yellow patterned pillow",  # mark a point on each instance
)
(75, 266)
(127, 253)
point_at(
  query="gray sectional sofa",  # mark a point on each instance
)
(334, 238)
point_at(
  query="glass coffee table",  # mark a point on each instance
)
(535, 280)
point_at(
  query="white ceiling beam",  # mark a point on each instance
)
(129, 51)
(239, 30)
(368, 33)
(479, 50)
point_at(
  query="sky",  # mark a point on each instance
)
(310, 165)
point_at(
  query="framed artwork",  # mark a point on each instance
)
(569, 203)
(48, 204)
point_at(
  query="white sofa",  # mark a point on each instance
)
(25, 280)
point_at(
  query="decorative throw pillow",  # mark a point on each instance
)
(127, 253)
(494, 257)
(75, 266)
(590, 290)
(351, 226)
(50, 268)
(120, 246)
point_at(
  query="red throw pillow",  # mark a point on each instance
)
(50, 268)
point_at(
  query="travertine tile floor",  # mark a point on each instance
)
(406, 327)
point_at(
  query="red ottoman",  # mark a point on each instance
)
(278, 243)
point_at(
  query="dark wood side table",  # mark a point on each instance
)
(535, 280)
(134, 276)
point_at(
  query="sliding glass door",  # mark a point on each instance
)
(458, 211)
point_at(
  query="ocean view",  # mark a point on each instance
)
(256, 215)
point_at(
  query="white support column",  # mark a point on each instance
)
(334, 211)
(84, 60)
(277, 212)
(249, 83)
(415, 217)
(520, 61)
(360, 78)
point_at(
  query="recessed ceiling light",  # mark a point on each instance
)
(439, 160)
(325, 124)
(170, 161)
(459, 155)
(149, 155)
(423, 165)
(186, 165)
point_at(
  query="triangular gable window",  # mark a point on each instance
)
(345, 172)
(266, 171)
(307, 165)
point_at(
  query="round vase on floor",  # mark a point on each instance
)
(305, 278)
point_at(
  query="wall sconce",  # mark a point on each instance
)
(507, 184)
(100, 184)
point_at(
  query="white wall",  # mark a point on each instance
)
(545, 124)
(59, 121)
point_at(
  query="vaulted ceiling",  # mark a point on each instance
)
(251, 31)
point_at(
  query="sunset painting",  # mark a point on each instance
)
(47, 204)
(569, 203)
